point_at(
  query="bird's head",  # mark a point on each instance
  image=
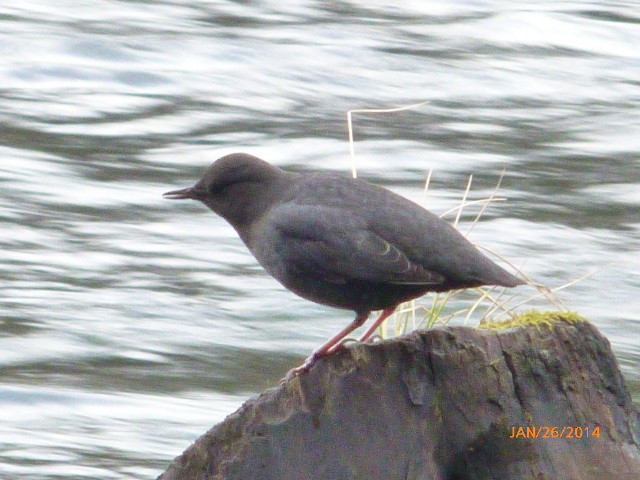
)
(238, 187)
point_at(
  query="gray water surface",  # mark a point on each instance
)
(130, 324)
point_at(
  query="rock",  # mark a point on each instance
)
(453, 403)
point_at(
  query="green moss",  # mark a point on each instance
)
(536, 319)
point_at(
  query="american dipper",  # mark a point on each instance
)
(341, 241)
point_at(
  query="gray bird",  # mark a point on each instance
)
(340, 241)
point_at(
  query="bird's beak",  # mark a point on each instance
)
(185, 193)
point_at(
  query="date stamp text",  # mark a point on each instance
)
(555, 432)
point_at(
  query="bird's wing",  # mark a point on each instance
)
(339, 246)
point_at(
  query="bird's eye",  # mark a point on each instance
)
(217, 188)
(213, 188)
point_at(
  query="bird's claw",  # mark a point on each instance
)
(315, 356)
(312, 359)
(373, 339)
(305, 367)
(341, 345)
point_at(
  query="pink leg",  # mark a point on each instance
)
(326, 348)
(383, 316)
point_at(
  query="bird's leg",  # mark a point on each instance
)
(367, 335)
(386, 313)
(327, 347)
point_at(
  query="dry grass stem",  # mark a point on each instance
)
(350, 113)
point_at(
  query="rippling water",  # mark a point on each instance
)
(129, 325)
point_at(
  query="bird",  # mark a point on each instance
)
(341, 241)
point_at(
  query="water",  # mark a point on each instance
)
(129, 324)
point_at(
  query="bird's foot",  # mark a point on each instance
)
(315, 356)
(306, 366)
(373, 339)
(341, 345)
